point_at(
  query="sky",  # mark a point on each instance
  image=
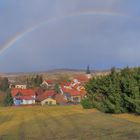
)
(40, 35)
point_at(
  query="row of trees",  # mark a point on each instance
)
(117, 92)
(35, 81)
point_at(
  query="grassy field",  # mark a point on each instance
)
(66, 123)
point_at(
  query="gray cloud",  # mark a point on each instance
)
(99, 40)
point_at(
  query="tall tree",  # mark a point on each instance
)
(4, 84)
(8, 99)
(57, 88)
(37, 80)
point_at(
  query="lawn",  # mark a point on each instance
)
(66, 123)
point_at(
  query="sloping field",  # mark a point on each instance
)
(64, 123)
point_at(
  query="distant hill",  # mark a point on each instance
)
(51, 74)
(54, 71)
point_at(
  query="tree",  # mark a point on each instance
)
(57, 88)
(8, 99)
(2, 98)
(4, 84)
(117, 92)
(37, 80)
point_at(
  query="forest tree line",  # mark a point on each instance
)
(118, 92)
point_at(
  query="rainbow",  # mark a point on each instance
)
(21, 35)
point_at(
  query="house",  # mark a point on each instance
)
(23, 96)
(60, 99)
(48, 101)
(47, 98)
(73, 95)
(77, 87)
(67, 85)
(51, 98)
(11, 83)
(74, 84)
(21, 86)
(48, 83)
(38, 91)
(82, 78)
(76, 96)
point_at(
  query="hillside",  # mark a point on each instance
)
(67, 123)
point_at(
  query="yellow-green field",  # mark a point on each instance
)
(66, 123)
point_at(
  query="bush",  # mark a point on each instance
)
(87, 104)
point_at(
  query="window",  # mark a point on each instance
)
(46, 102)
(50, 102)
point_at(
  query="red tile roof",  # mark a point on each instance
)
(59, 98)
(72, 92)
(68, 84)
(50, 81)
(23, 92)
(39, 91)
(25, 98)
(82, 78)
(45, 95)
(76, 86)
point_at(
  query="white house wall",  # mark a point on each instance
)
(25, 102)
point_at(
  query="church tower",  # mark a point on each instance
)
(88, 72)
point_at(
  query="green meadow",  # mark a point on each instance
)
(66, 123)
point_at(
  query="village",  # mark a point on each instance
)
(50, 92)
